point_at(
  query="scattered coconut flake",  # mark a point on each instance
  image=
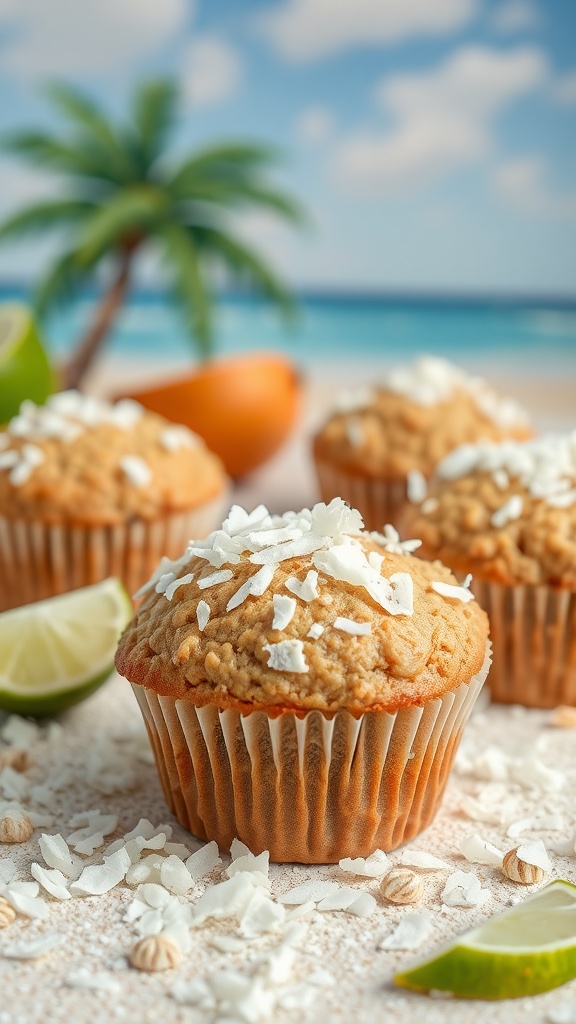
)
(202, 615)
(509, 511)
(352, 627)
(452, 591)
(480, 851)
(193, 993)
(89, 980)
(354, 399)
(225, 899)
(463, 889)
(304, 545)
(136, 470)
(165, 566)
(411, 931)
(96, 879)
(249, 862)
(315, 631)
(56, 853)
(287, 656)
(203, 860)
(22, 896)
(347, 562)
(221, 576)
(256, 585)
(531, 773)
(374, 866)
(238, 849)
(307, 589)
(52, 880)
(565, 1014)
(261, 915)
(34, 949)
(144, 829)
(545, 823)
(314, 890)
(181, 582)
(429, 506)
(390, 540)
(228, 943)
(284, 608)
(164, 582)
(501, 479)
(416, 486)
(362, 904)
(533, 851)
(20, 732)
(424, 861)
(155, 895)
(175, 876)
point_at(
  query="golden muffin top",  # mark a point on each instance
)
(81, 461)
(303, 611)
(413, 418)
(506, 512)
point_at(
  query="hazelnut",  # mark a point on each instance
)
(15, 827)
(155, 953)
(519, 871)
(401, 885)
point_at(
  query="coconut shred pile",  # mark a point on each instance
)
(331, 535)
(430, 381)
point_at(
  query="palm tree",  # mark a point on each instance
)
(122, 193)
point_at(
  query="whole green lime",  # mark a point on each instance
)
(25, 370)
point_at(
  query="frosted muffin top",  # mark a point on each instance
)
(506, 512)
(81, 461)
(303, 611)
(413, 418)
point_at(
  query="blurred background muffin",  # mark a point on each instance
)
(89, 490)
(382, 443)
(305, 683)
(507, 514)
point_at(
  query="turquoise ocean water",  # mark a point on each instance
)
(531, 337)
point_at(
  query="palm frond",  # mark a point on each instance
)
(236, 194)
(97, 134)
(244, 264)
(45, 216)
(224, 161)
(61, 282)
(189, 287)
(153, 115)
(131, 213)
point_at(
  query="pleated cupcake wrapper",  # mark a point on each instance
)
(533, 630)
(39, 560)
(379, 501)
(311, 789)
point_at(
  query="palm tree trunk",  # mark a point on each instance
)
(75, 369)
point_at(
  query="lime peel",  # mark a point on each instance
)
(25, 370)
(505, 957)
(56, 652)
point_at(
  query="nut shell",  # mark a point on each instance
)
(7, 913)
(155, 953)
(519, 871)
(15, 827)
(401, 885)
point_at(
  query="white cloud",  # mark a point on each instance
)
(564, 89)
(84, 37)
(443, 119)
(212, 71)
(315, 125)
(515, 16)
(303, 30)
(522, 184)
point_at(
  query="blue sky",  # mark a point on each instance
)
(434, 143)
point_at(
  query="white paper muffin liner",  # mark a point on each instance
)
(39, 560)
(533, 630)
(310, 789)
(379, 501)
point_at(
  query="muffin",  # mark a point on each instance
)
(305, 683)
(507, 514)
(381, 444)
(90, 490)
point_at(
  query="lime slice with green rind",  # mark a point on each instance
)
(25, 371)
(528, 949)
(56, 652)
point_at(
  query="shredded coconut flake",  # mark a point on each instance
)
(136, 470)
(316, 630)
(416, 486)
(463, 889)
(452, 591)
(424, 861)
(287, 656)
(480, 851)
(222, 576)
(354, 628)
(534, 852)
(306, 590)
(177, 437)
(284, 608)
(175, 584)
(374, 866)
(411, 931)
(202, 615)
(314, 891)
(509, 511)
(256, 585)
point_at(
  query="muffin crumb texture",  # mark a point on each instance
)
(303, 611)
(505, 512)
(415, 416)
(81, 460)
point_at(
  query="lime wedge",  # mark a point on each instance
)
(528, 949)
(24, 368)
(54, 653)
